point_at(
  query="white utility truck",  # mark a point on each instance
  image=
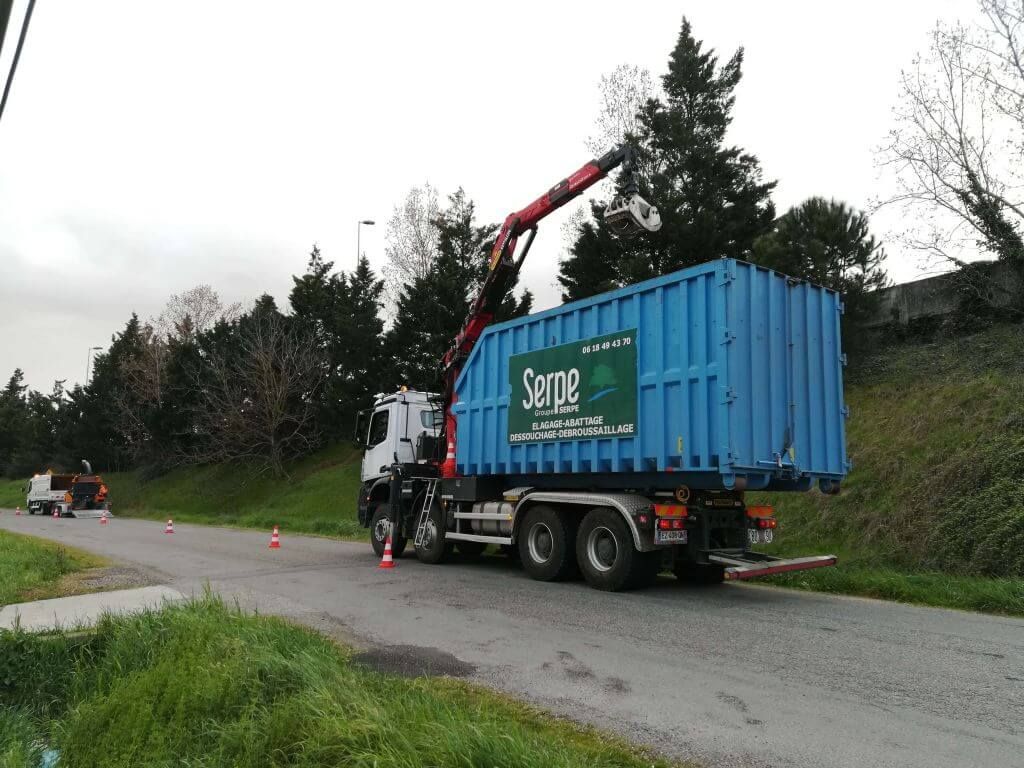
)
(45, 491)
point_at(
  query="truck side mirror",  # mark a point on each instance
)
(359, 431)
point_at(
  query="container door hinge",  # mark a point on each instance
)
(842, 307)
(728, 336)
(728, 274)
(842, 360)
(728, 395)
(845, 411)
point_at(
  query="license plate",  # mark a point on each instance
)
(670, 537)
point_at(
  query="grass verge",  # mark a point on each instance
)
(932, 588)
(201, 684)
(12, 494)
(34, 569)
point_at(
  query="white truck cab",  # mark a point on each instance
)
(390, 431)
(402, 428)
(46, 490)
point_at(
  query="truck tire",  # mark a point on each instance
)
(607, 556)
(700, 575)
(435, 549)
(378, 532)
(547, 543)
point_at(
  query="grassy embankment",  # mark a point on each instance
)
(33, 569)
(933, 511)
(200, 684)
(319, 497)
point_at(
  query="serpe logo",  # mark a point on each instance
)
(551, 390)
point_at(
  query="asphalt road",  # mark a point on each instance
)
(733, 675)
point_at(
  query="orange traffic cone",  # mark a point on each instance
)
(275, 539)
(387, 561)
(103, 518)
(169, 528)
(17, 511)
(56, 513)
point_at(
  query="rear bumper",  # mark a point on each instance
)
(750, 565)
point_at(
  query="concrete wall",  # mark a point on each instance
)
(936, 297)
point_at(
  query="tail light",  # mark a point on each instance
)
(671, 524)
(765, 522)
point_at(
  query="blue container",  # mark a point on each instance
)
(724, 375)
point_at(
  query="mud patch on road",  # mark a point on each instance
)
(617, 685)
(413, 661)
(117, 577)
(575, 668)
(733, 701)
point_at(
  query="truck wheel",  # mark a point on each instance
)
(470, 550)
(701, 575)
(434, 549)
(607, 556)
(379, 531)
(547, 541)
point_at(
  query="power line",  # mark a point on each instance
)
(17, 55)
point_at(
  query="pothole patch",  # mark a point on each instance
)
(413, 661)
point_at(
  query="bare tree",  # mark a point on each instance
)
(411, 240)
(624, 91)
(959, 138)
(190, 313)
(256, 397)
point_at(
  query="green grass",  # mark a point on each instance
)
(933, 511)
(34, 569)
(12, 493)
(319, 497)
(203, 685)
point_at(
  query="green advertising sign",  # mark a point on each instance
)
(578, 391)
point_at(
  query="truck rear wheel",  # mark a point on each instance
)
(547, 542)
(607, 556)
(379, 531)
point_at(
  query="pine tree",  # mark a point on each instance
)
(712, 199)
(829, 243)
(13, 419)
(343, 313)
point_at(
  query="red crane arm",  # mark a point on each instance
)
(504, 267)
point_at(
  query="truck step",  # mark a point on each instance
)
(754, 564)
(452, 536)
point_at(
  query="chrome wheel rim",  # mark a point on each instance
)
(540, 542)
(602, 549)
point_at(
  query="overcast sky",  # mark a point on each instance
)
(148, 147)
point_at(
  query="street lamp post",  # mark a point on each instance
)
(88, 362)
(359, 232)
